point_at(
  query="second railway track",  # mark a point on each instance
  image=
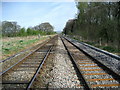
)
(94, 74)
(23, 73)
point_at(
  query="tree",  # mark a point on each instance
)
(10, 28)
(29, 31)
(97, 22)
(69, 26)
(22, 32)
(46, 27)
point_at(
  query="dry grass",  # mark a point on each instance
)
(10, 39)
(13, 45)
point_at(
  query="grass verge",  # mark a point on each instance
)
(106, 48)
(14, 45)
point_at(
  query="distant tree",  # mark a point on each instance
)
(22, 32)
(69, 26)
(29, 31)
(10, 28)
(46, 27)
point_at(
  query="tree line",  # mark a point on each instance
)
(12, 29)
(96, 22)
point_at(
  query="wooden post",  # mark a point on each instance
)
(38, 36)
(100, 41)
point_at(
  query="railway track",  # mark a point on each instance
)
(41, 79)
(93, 74)
(23, 73)
(90, 72)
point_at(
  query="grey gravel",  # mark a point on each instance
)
(87, 77)
(19, 76)
(110, 62)
(63, 71)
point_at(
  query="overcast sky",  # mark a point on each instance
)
(33, 13)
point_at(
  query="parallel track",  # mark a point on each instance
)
(37, 82)
(93, 74)
(23, 73)
(90, 72)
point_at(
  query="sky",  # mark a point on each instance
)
(28, 14)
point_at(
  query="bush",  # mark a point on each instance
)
(109, 49)
(29, 32)
(21, 41)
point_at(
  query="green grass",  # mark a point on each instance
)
(90, 43)
(15, 46)
(107, 48)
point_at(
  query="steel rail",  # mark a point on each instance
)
(13, 56)
(104, 67)
(38, 69)
(1, 73)
(102, 51)
(81, 77)
(19, 61)
(99, 50)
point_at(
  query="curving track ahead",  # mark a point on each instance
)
(93, 74)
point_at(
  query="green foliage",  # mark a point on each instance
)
(11, 29)
(91, 43)
(108, 48)
(29, 31)
(21, 41)
(22, 32)
(97, 22)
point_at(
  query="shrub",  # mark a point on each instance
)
(109, 49)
